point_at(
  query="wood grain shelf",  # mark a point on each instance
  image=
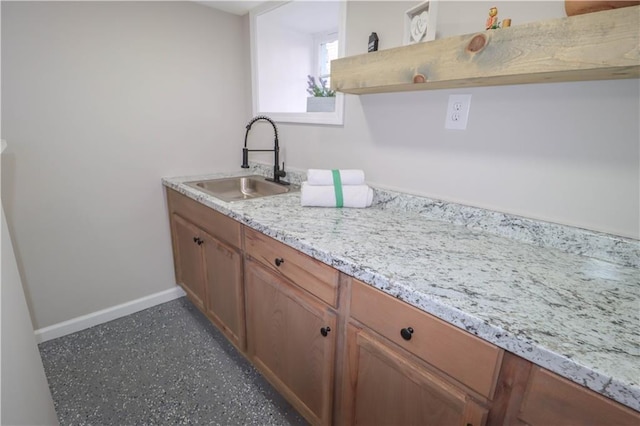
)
(597, 46)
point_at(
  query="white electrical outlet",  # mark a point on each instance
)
(458, 112)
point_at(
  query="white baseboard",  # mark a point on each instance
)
(86, 321)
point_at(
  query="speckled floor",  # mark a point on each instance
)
(166, 365)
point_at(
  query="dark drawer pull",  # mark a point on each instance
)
(279, 261)
(406, 333)
(325, 330)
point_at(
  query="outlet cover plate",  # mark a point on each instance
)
(458, 112)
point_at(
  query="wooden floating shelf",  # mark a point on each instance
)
(595, 46)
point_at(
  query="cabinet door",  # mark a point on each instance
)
(291, 339)
(553, 400)
(188, 259)
(224, 295)
(384, 387)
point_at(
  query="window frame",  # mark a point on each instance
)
(321, 118)
(319, 39)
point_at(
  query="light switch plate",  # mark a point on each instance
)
(458, 112)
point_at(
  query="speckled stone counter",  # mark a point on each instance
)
(565, 299)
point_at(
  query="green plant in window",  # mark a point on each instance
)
(319, 90)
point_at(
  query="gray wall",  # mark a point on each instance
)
(99, 101)
(566, 152)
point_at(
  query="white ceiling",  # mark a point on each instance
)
(237, 7)
(305, 16)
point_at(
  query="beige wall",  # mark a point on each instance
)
(99, 101)
(25, 396)
(566, 152)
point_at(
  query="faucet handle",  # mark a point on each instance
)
(277, 174)
(280, 172)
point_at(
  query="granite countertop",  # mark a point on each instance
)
(565, 299)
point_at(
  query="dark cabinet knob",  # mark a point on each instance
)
(198, 241)
(279, 261)
(325, 330)
(195, 239)
(406, 333)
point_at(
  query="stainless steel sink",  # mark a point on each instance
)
(240, 188)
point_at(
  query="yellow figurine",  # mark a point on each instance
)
(492, 20)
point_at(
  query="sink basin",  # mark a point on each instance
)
(240, 188)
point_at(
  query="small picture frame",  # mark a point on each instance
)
(420, 23)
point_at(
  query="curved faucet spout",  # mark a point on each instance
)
(277, 173)
(258, 118)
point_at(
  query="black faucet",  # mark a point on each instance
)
(277, 173)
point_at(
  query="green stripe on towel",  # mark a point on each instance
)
(337, 186)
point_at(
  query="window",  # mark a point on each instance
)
(327, 50)
(290, 41)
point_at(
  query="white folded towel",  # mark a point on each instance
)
(325, 177)
(358, 196)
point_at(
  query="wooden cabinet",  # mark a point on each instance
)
(387, 387)
(188, 259)
(291, 339)
(553, 400)
(223, 288)
(454, 351)
(404, 366)
(595, 46)
(291, 323)
(407, 367)
(315, 277)
(343, 352)
(208, 268)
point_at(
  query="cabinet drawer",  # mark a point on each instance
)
(313, 276)
(551, 399)
(464, 357)
(216, 224)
